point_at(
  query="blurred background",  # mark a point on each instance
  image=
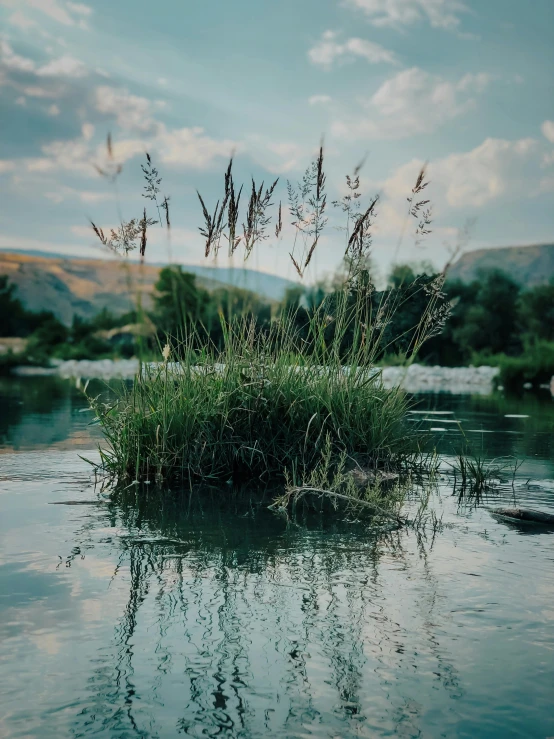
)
(465, 87)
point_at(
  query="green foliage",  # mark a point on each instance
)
(16, 320)
(491, 321)
(535, 365)
(536, 313)
(178, 301)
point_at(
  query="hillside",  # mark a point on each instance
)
(528, 265)
(69, 286)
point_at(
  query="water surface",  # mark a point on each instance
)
(180, 619)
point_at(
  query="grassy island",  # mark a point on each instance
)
(294, 402)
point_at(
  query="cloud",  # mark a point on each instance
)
(412, 102)
(547, 129)
(39, 92)
(319, 100)
(10, 60)
(70, 156)
(66, 13)
(495, 169)
(328, 50)
(398, 13)
(62, 193)
(6, 165)
(131, 112)
(53, 110)
(179, 147)
(65, 66)
(21, 21)
(190, 147)
(182, 148)
(79, 9)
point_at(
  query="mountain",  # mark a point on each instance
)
(71, 285)
(528, 265)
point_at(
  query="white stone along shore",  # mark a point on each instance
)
(415, 379)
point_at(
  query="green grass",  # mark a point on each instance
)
(261, 407)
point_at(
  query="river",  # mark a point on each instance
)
(170, 619)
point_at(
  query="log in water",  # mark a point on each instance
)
(525, 514)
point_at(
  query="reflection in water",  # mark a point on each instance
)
(267, 630)
(44, 412)
(193, 616)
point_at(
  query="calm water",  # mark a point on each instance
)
(168, 620)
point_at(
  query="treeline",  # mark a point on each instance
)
(492, 321)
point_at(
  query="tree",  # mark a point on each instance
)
(13, 316)
(490, 323)
(536, 313)
(179, 302)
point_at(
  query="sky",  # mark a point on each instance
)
(466, 87)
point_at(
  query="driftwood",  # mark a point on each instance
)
(525, 514)
(296, 493)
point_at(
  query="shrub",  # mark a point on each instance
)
(535, 365)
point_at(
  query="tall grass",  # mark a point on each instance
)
(270, 403)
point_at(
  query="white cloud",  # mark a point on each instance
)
(14, 61)
(21, 100)
(130, 111)
(398, 13)
(65, 66)
(474, 82)
(87, 130)
(412, 102)
(70, 156)
(6, 165)
(73, 155)
(328, 49)
(79, 9)
(191, 148)
(21, 21)
(497, 168)
(184, 147)
(53, 110)
(39, 92)
(547, 129)
(319, 99)
(66, 13)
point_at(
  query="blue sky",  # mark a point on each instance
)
(466, 86)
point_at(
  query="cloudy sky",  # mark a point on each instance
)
(467, 86)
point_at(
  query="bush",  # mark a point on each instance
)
(535, 365)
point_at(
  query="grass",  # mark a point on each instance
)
(271, 405)
(257, 408)
(478, 476)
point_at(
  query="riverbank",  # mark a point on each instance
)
(416, 378)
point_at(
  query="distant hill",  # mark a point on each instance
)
(69, 286)
(528, 265)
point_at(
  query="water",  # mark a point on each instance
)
(161, 621)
